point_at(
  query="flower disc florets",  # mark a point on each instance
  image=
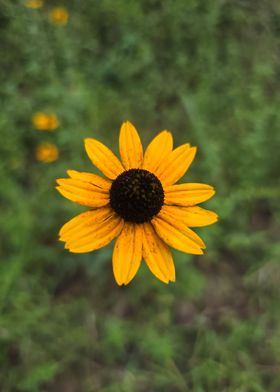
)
(137, 195)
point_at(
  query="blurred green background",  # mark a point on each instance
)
(207, 70)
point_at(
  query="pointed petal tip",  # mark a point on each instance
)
(170, 279)
(193, 150)
(127, 122)
(58, 188)
(60, 234)
(62, 181)
(215, 217)
(211, 194)
(198, 251)
(165, 132)
(120, 283)
(86, 142)
(162, 279)
(128, 280)
(70, 172)
(126, 283)
(88, 139)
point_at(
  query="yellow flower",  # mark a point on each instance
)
(34, 4)
(138, 203)
(59, 15)
(45, 122)
(46, 152)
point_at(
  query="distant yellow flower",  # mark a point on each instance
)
(46, 152)
(59, 15)
(139, 203)
(45, 122)
(34, 4)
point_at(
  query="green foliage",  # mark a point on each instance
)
(209, 72)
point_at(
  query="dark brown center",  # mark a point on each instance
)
(136, 195)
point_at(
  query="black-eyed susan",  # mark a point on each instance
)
(45, 122)
(138, 203)
(46, 152)
(59, 15)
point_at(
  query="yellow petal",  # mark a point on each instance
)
(93, 235)
(103, 158)
(127, 253)
(157, 255)
(93, 179)
(156, 152)
(180, 225)
(83, 222)
(82, 192)
(130, 147)
(191, 216)
(176, 164)
(181, 238)
(187, 194)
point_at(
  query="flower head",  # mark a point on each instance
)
(34, 4)
(59, 15)
(138, 203)
(46, 152)
(45, 122)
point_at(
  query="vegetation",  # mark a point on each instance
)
(208, 70)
